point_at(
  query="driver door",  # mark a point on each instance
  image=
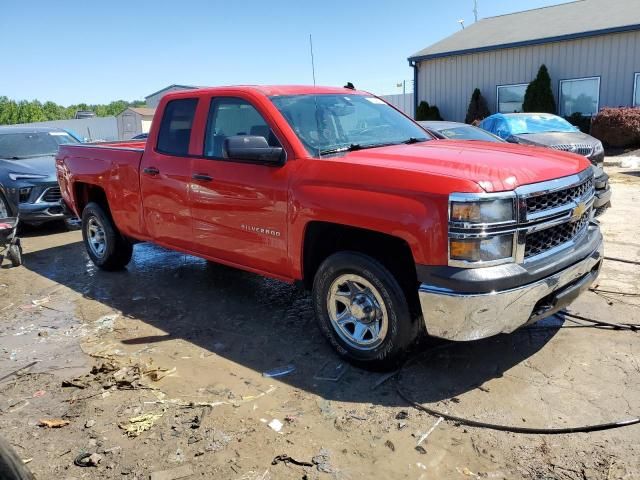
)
(239, 209)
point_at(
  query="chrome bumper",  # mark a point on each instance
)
(463, 317)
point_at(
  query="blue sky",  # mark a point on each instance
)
(86, 51)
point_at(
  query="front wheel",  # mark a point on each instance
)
(106, 247)
(363, 311)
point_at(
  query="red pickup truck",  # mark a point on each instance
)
(393, 231)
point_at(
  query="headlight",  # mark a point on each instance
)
(26, 176)
(598, 148)
(482, 211)
(481, 249)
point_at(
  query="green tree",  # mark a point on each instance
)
(427, 112)
(478, 108)
(539, 96)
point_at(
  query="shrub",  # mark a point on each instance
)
(427, 112)
(478, 109)
(580, 121)
(617, 127)
(539, 96)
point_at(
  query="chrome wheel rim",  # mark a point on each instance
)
(96, 237)
(357, 312)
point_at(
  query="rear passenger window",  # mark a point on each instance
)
(175, 129)
(233, 116)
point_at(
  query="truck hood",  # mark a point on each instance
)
(45, 165)
(493, 166)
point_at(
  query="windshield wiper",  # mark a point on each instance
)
(345, 148)
(356, 146)
(412, 140)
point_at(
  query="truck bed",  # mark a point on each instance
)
(113, 167)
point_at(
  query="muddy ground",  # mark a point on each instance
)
(162, 367)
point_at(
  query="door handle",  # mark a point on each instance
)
(153, 171)
(202, 177)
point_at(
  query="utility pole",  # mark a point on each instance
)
(475, 10)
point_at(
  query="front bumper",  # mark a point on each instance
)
(36, 213)
(603, 194)
(459, 316)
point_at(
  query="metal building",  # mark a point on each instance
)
(133, 121)
(590, 47)
(152, 100)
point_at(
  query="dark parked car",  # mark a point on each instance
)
(27, 169)
(458, 131)
(140, 136)
(551, 131)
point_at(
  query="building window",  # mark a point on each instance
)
(511, 97)
(581, 95)
(636, 90)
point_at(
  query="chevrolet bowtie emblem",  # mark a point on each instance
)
(578, 211)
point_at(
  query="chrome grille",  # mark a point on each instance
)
(579, 148)
(543, 240)
(51, 195)
(547, 201)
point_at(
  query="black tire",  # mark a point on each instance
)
(14, 254)
(117, 250)
(11, 466)
(402, 328)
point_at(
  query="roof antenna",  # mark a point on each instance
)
(461, 22)
(475, 10)
(313, 67)
(315, 97)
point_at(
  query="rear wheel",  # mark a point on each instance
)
(106, 247)
(363, 311)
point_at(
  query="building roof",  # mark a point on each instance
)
(175, 85)
(29, 129)
(577, 19)
(144, 111)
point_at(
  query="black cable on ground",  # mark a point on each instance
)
(496, 426)
(625, 294)
(622, 260)
(617, 326)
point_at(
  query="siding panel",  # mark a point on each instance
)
(448, 82)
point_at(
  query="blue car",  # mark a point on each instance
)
(551, 131)
(28, 170)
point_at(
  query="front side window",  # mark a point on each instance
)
(17, 146)
(511, 98)
(331, 123)
(230, 116)
(175, 130)
(636, 90)
(579, 96)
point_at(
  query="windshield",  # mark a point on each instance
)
(328, 124)
(468, 133)
(32, 144)
(519, 124)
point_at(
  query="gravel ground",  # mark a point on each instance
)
(157, 372)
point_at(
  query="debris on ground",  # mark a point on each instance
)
(141, 423)
(279, 371)
(389, 444)
(429, 432)
(53, 422)
(89, 424)
(286, 459)
(322, 461)
(275, 424)
(87, 459)
(331, 371)
(173, 474)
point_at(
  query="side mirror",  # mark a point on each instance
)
(252, 148)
